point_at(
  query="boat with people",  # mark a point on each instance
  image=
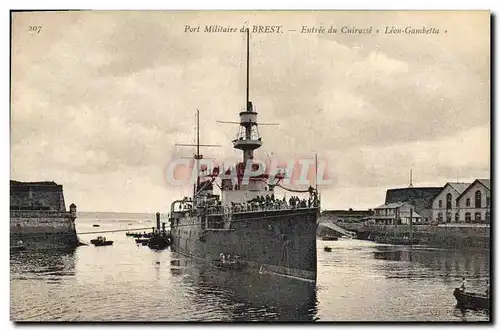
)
(101, 241)
(19, 247)
(227, 262)
(471, 300)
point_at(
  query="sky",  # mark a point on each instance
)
(99, 100)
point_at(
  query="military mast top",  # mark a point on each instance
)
(248, 138)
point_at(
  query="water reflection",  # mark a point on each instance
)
(357, 281)
(247, 297)
(448, 265)
(47, 264)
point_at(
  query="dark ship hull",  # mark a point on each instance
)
(268, 241)
(246, 223)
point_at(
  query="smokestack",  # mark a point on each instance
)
(158, 222)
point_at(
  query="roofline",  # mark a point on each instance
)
(468, 187)
(449, 184)
(401, 204)
(415, 188)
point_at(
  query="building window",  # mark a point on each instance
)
(448, 217)
(448, 201)
(440, 217)
(456, 217)
(440, 203)
(467, 202)
(457, 203)
(487, 217)
(487, 201)
(467, 217)
(478, 199)
(477, 217)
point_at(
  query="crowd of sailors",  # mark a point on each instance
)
(262, 203)
(228, 258)
(259, 203)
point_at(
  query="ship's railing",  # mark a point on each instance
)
(41, 214)
(257, 207)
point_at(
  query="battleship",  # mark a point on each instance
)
(246, 223)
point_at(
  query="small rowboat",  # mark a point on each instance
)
(471, 300)
(327, 249)
(234, 264)
(101, 241)
(17, 248)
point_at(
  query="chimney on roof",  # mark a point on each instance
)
(411, 178)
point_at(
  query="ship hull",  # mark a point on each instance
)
(282, 242)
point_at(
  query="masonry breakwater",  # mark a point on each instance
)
(446, 236)
(38, 216)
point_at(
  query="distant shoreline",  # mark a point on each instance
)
(119, 215)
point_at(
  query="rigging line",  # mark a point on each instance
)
(122, 230)
(206, 184)
(291, 190)
(34, 235)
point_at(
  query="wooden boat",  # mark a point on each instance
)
(17, 248)
(145, 242)
(228, 265)
(327, 249)
(159, 242)
(403, 241)
(329, 238)
(140, 241)
(101, 241)
(96, 225)
(471, 300)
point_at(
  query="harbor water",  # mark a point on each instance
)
(357, 281)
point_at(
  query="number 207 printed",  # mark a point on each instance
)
(35, 28)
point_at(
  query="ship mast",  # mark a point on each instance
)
(248, 138)
(197, 155)
(248, 70)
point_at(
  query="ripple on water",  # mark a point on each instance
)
(358, 281)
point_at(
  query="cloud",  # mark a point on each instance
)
(99, 99)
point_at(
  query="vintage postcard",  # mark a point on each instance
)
(235, 166)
